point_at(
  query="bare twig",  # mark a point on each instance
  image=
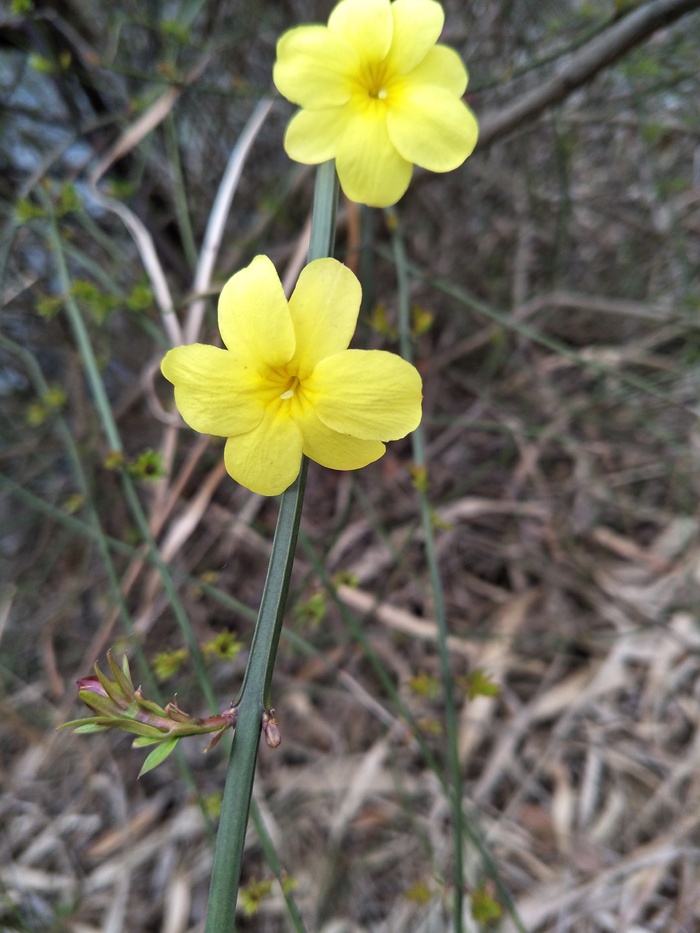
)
(584, 64)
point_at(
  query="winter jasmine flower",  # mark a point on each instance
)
(377, 95)
(286, 383)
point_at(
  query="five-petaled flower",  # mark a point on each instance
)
(287, 384)
(377, 95)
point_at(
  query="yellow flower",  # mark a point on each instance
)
(287, 385)
(377, 94)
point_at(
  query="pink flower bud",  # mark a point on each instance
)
(92, 684)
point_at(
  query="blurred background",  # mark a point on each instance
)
(554, 281)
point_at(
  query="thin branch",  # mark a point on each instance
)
(584, 64)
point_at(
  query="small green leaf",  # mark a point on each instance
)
(73, 503)
(120, 189)
(212, 804)
(223, 647)
(311, 612)
(103, 706)
(36, 414)
(139, 299)
(89, 727)
(167, 663)
(419, 475)
(114, 461)
(148, 465)
(41, 64)
(99, 304)
(345, 578)
(26, 210)
(289, 884)
(485, 908)
(252, 896)
(425, 685)
(379, 322)
(478, 683)
(419, 892)
(69, 199)
(158, 755)
(143, 741)
(137, 728)
(429, 726)
(48, 306)
(422, 320)
(38, 411)
(170, 27)
(122, 677)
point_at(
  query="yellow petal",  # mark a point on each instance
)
(365, 24)
(370, 169)
(337, 451)
(324, 309)
(417, 27)
(442, 67)
(370, 394)
(214, 392)
(314, 67)
(313, 136)
(266, 460)
(254, 316)
(431, 127)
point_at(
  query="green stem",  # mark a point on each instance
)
(322, 238)
(254, 698)
(419, 458)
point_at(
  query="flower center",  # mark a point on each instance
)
(375, 80)
(292, 385)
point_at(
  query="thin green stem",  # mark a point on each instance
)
(253, 701)
(322, 240)
(418, 442)
(254, 698)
